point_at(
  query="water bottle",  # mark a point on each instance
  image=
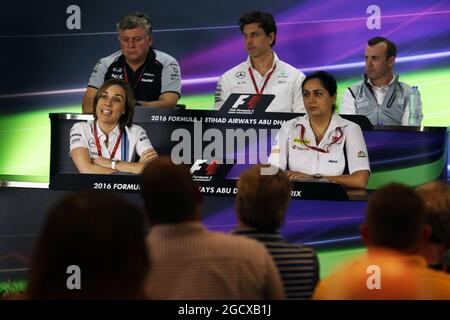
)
(415, 109)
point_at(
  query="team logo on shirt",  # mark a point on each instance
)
(75, 137)
(96, 67)
(91, 143)
(303, 142)
(363, 104)
(240, 74)
(117, 76)
(296, 147)
(283, 74)
(362, 154)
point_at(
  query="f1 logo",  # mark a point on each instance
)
(197, 165)
(240, 101)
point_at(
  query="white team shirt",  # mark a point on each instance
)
(291, 152)
(285, 83)
(82, 136)
(348, 102)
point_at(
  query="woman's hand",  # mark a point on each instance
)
(148, 156)
(85, 164)
(296, 175)
(103, 162)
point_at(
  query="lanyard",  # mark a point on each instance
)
(124, 146)
(335, 139)
(138, 79)
(265, 82)
(99, 148)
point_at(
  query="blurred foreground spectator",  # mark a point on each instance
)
(91, 247)
(261, 204)
(394, 231)
(190, 262)
(436, 196)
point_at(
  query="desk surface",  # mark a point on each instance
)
(409, 155)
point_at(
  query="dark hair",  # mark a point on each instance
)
(135, 19)
(395, 217)
(391, 48)
(327, 80)
(262, 200)
(265, 20)
(126, 120)
(104, 236)
(170, 195)
(436, 196)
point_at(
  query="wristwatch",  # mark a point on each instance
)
(113, 164)
(318, 176)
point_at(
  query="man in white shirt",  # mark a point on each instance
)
(262, 72)
(380, 96)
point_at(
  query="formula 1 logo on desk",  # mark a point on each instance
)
(201, 170)
(245, 104)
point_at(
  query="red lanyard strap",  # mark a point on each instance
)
(99, 148)
(335, 139)
(265, 82)
(125, 73)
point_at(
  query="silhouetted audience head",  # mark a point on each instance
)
(102, 235)
(395, 219)
(170, 195)
(381, 275)
(395, 230)
(262, 200)
(436, 197)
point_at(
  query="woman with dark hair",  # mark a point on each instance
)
(92, 246)
(321, 144)
(111, 142)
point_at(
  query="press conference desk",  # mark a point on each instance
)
(411, 155)
(304, 190)
(320, 214)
